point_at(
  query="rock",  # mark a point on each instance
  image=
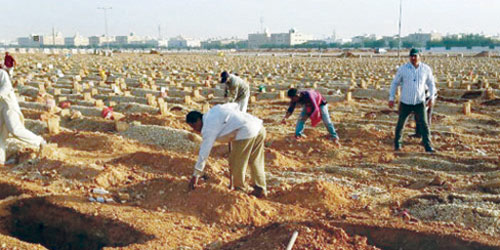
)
(124, 196)
(438, 181)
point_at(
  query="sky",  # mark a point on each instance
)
(204, 19)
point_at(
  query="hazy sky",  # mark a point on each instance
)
(227, 18)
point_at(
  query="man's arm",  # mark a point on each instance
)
(232, 91)
(289, 111)
(394, 85)
(5, 84)
(431, 84)
(205, 148)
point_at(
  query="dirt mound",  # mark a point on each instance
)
(146, 119)
(211, 202)
(92, 142)
(316, 195)
(275, 159)
(347, 54)
(165, 137)
(494, 102)
(480, 213)
(310, 236)
(112, 177)
(158, 163)
(88, 124)
(484, 54)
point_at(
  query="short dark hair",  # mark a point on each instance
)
(193, 116)
(223, 76)
(292, 92)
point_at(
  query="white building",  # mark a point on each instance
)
(220, 42)
(291, 38)
(256, 40)
(129, 39)
(363, 38)
(55, 39)
(29, 41)
(163, 43)
(95, 41)
(183, 42)
(423, 38)
(76, 41)
(34, 40)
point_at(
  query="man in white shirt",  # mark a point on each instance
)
(11, 118)
(226, 123)
(413, 77)
(237, 90)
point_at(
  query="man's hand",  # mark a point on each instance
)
(391, 104)
(193, 183)
(429, 103)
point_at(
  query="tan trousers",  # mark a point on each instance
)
(248, 152)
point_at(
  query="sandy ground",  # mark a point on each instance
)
(362, 195)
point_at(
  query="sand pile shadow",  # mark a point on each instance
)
(36, 220)
(397, 238)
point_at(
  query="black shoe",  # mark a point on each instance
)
(416, 136)
(258, 192)
(429, 149)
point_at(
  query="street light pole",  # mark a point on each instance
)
(105, 9)
(399, 33)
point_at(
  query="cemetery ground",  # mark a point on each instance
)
(123, 182)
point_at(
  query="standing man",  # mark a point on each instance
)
(413, 77)
(236, 89)
(11, 118)
(315, 108)
(9, 63)
(226, 123)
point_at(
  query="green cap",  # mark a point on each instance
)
(414, 52)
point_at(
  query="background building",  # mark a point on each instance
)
(421, 38)
(29, 41)
(76, 41)
(129, 40)
(56, 39)
(96, 41)
(183, 42)
(257, 40)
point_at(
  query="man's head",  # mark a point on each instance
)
(194, 119)
(415, 56)
(224, 76)
(293, 94)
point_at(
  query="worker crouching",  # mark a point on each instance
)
(226, 123)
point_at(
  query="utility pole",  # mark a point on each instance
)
(399, 34)
(159, 32)
(262, 24)
(105, 9)
(53, 37)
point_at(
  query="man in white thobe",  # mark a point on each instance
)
(11, 118)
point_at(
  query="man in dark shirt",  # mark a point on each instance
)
(9, 63)
(315, 108)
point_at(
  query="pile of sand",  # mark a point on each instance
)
(317, 195)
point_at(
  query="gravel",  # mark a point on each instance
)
(168, 138)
